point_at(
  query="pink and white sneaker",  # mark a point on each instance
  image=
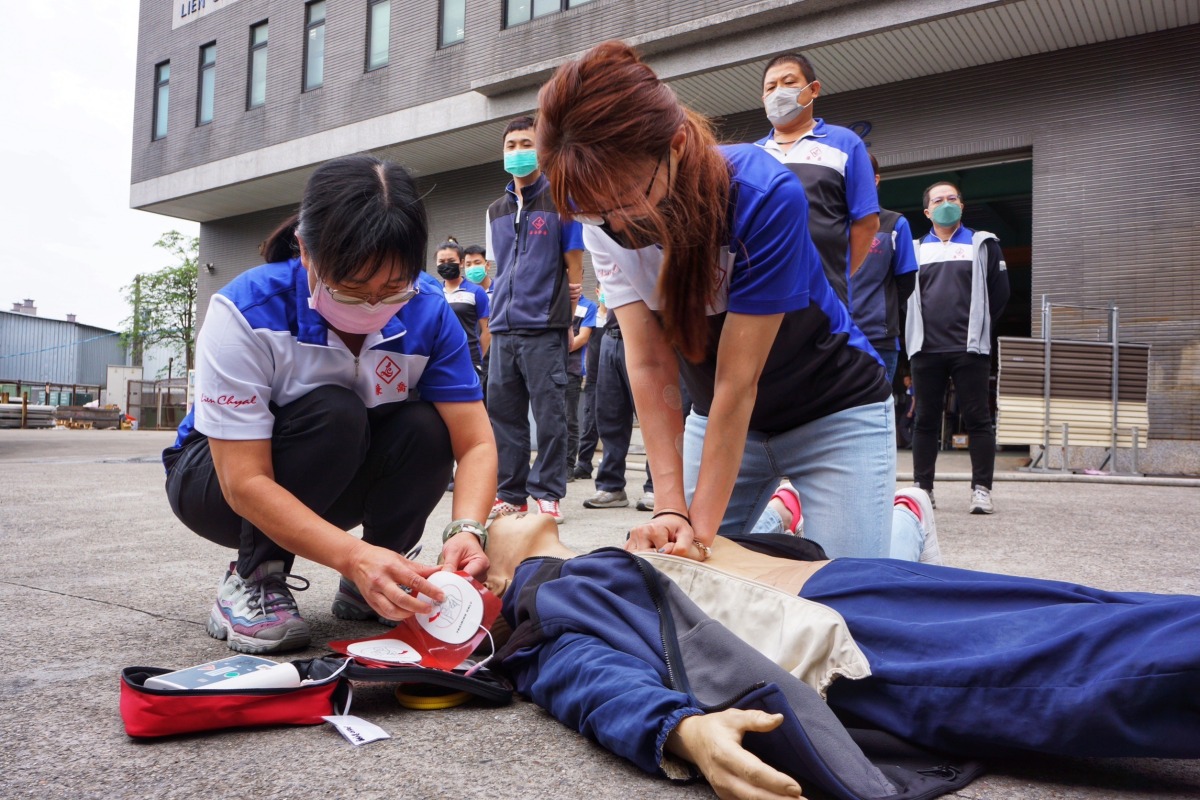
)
(551, 507)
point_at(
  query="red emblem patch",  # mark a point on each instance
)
(388, 370)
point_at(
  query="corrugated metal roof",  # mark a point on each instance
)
(997, 33)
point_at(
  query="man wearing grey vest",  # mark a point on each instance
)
(962, 288)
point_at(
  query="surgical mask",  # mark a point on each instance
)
(476, 274)
(449, 270)
(520, 163)
(947, 214)
(352, 317)
(602, 300)
(781, 104)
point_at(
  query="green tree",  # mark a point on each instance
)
(163, 303)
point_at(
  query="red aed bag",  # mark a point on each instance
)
(149, 712)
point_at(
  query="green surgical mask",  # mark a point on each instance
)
(602, 300)
(947, 214)
(520, 162)
(476, 274)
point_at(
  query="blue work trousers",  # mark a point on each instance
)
(981, 664)
(529, 371)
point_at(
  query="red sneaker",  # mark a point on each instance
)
(502, 508)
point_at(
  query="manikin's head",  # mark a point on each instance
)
(511, 540)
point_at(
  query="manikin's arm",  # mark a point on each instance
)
(713, 742)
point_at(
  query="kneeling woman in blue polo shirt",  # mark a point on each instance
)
(334, 388)
(705, 256)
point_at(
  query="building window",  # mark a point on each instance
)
(208, 83)
(524, 10)
(256, 93)
(162, 92)
(379, 21)
(314, 45)
(454, 19)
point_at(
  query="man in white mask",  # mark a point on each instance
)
(831, 162)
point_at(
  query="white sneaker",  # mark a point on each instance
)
(931, 549)
(981, 501)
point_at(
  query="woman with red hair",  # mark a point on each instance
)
(704, 254)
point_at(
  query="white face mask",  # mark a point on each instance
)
(781, 104)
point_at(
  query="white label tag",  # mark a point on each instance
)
(356, 729)
(581, 310)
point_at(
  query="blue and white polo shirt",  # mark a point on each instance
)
(820, 362)
(875, 299)
(839, 182)
(261, 344)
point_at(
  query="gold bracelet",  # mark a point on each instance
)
(704, 549)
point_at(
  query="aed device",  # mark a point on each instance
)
(235, 672)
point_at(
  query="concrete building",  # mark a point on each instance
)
(1071, 124)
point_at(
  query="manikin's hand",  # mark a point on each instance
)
(666, 534)
(381, 576)
(463, 552)
(713, 742)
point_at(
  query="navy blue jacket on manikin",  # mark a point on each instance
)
(616, 651)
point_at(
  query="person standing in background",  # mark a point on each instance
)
(475, 267)
(589, 436)
(468, 300)
(883, 283)
(583, 322)
(539, 273)
(831, 162)
(962, 288)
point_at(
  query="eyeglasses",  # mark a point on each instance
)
(346, 298)
(601, 217)
(950, 198)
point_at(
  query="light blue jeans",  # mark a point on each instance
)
(844, 467)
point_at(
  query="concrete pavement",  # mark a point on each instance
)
(97, 574)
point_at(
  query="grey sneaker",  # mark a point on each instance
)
(258, 614)
(617, 499)
(348, 603)
(931, 549)
(646, 502)
(981, 501)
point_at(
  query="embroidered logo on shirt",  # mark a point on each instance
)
(537, 226)
(401, 387)
(388, 370)
(229, 400)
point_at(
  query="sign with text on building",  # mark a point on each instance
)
(186, 11)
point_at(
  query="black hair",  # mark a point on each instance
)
(360, 215)
(806, 67)
(930, 187)
(520, 124)
(280, 245)
(452, 244)
(475, 250)
(874, 163)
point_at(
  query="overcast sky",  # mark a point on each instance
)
(69, 239)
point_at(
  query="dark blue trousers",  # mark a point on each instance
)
(384, 468)
(529, 371)
(614, 417)
(982, 664)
